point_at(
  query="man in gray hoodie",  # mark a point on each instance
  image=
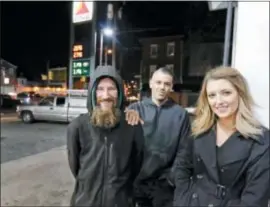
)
(104, 152)
(166, 125)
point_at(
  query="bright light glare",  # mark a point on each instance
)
(109, 51)
(6, 80)
(108, 31)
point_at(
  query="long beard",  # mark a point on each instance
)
(106, 119)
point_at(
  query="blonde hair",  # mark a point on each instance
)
(205, 118)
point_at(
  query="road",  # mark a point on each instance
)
(19, 140)
(34, 168)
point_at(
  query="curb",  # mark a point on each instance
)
(10, 119)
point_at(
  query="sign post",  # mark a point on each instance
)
(79, 65)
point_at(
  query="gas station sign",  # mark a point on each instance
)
(81, 67)
(77, 51)
(82, 11)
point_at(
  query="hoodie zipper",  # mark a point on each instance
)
(105, 171)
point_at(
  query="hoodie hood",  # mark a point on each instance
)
(104, 72)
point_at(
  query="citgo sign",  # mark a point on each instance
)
(82, 11)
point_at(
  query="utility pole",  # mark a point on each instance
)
(71, 42)
(0, 25)
(93, 39)
(117, 16)
(114, 43)
(101, 48)
(111, 22)
(106, 55)
(227, 42)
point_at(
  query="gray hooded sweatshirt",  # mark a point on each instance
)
(166, 128)
(105, 163)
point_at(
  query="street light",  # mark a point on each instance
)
(107, 32)
(107, 52)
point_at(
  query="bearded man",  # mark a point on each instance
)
(105, 152)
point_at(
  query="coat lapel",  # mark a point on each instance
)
(206, 149)
(235, 149)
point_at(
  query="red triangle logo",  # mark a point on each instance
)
(82, 9)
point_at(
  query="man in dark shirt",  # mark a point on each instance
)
(166, 125)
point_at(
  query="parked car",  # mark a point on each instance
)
(6, 101)
(53, 108)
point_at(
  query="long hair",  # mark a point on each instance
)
(245, 121)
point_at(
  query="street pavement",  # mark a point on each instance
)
(34, 167)
(19, 140)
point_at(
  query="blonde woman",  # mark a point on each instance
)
(226, 160)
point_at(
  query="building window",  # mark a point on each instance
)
(170, 49)
(153, 51)
(152, 69)
(11, 71)
(170, 67)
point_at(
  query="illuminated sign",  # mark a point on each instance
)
(82, 11)
(81, 67)
(57, 74)
(77, 51)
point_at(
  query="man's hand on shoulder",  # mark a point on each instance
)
(133, 117)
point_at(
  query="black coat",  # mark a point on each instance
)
(104, 163)
(243, 169)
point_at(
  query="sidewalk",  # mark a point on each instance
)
(4, 111)
(8, 114)
(39, 180)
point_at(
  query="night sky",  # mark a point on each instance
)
(34, 32)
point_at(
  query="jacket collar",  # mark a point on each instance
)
(238, 148)
(169, 102)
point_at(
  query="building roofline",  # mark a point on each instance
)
(161, 37)
(9, 63)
